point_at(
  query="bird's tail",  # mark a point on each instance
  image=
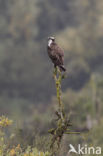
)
(62, 68)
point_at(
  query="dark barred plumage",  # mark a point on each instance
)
(56, 54)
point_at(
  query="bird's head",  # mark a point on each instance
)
(50, 40)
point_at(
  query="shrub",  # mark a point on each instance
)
(15, 150)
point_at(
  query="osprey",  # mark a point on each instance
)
(56, 54)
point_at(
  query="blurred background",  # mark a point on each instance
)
(27, 89)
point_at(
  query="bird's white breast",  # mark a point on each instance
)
(49, 43)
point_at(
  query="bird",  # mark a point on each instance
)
(56, 54)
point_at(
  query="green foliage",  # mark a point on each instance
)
(15, 150)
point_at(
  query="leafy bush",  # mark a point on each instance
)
(15, 150)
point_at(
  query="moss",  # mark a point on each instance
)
(62, 122)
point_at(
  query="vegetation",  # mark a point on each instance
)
(15, 150)
(62, 122)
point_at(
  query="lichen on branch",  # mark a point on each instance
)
(62, 122)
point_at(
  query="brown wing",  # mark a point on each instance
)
(60, 54)
(56, 54)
